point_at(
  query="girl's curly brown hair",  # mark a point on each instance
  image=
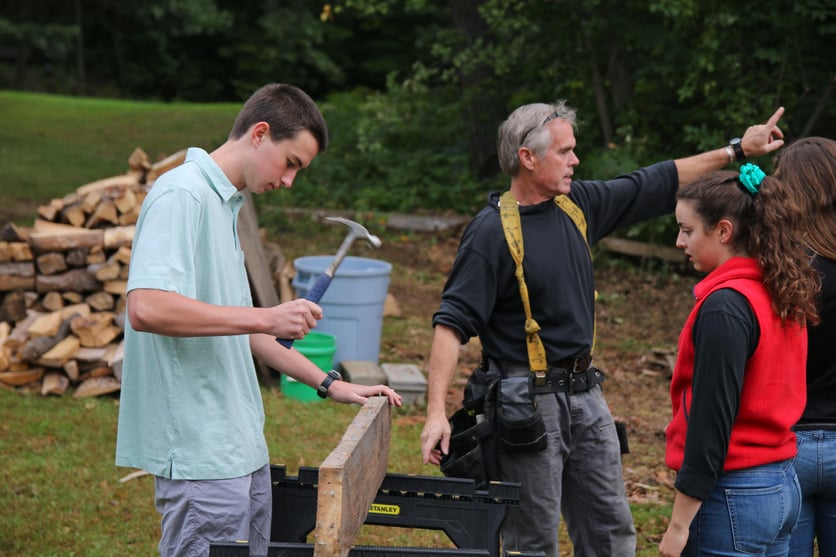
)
(766, 229)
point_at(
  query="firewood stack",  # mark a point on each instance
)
(62, 285)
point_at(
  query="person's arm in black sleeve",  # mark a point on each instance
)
(725, 336)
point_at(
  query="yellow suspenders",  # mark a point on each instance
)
(510, 214)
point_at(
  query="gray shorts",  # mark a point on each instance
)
(196, 513)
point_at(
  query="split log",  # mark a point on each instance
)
(115, 360)
(61, 353)
(75, 309)
(5, 329)
(13, 307)
(126, 201)
(51, 263)
(55, 383)
(76, 258)
(45, 325)
(21, 377)
(76, 280)
(95, 256)
(95, 330)
(118, 236)
(5, 359)
(15, 251)
(96, 386)
(109, 270)
(118, 287)
(72, 297)
(73, 238)
(163, 166)
(124, 180)
(21, 251)
(129, 217)
(100, 301)
(74, 215)
(17, 276)
(104, 213)
(52, 301)
(139, 160)
(20, 334)
(36, 346)
(98, 371)
(11, 233)
(50, 210)
(71, 369)
(90, 201)
(89, 354)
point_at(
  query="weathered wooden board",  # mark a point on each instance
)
(350, 478)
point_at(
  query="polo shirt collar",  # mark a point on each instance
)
(214, 175)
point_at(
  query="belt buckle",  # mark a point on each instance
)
(539, 378)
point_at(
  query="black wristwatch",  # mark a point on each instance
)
(735, 144)
(332, 376)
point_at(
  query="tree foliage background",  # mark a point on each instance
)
(414, 90)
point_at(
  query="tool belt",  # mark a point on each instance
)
(557, 380)
(573, 375)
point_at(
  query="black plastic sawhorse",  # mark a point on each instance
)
(470, 517)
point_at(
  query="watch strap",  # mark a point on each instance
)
(738, 149)
(330, 377)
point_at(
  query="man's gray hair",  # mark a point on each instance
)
(526, 127)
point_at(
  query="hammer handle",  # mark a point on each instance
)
(314, 295)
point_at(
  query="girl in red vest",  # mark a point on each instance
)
(738, 386)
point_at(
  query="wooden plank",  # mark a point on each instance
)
(640, 249)
(350, 478)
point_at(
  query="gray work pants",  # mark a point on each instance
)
(579, 473)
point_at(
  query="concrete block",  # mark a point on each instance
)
(362, 372)
(408, 381)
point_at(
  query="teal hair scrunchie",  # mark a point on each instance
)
(751, 177)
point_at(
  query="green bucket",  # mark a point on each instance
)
(318, 348)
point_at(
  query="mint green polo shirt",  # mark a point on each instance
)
(190, 408)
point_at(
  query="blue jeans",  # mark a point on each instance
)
(750, 512)
(816, 468)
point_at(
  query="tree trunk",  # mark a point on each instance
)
(483, 110)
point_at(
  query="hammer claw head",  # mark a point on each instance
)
(357, 231)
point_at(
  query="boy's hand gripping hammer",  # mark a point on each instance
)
(356, 230)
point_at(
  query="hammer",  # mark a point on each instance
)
(355, 231)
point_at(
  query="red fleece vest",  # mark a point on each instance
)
(774, 391)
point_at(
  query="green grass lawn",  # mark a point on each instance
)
(50, 145)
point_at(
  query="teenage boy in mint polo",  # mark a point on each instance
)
(191, 411)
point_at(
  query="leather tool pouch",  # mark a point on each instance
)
(521, 427)
(473, 441)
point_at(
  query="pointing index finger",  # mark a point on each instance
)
(773, 120)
